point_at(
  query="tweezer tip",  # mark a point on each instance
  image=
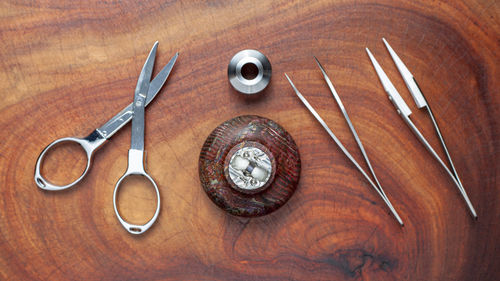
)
(319, 64)
(400, 221)
(474, 216)
(291, 83)
(386, 44)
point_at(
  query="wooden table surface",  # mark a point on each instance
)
(67, 67)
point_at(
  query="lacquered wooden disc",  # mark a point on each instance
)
(246, 131)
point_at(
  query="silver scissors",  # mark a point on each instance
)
(99, 136)
(404, 111)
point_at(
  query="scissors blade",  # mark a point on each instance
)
(141, 92)
(124, 116)
(407, 77)
(394, 96)
(147, 70)
(159, 80)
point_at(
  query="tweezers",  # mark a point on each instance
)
(378, 188)
(404, 111)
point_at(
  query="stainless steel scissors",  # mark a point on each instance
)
(99, 136)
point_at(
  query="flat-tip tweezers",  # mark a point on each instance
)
(404, 111)
(378, 188)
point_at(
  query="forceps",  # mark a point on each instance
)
(378, 187)
(99, 136)
(404, 111)
(420, 101)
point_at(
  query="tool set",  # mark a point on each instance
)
(249, 165)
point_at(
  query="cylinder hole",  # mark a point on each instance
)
(249, 71)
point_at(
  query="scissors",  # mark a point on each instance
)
(99, 136)
(404, 111)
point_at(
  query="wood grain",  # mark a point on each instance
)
(66, 67)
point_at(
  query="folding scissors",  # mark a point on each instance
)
(145, 92)
(404, 111)
(99, 136)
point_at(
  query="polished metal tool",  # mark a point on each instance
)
(404, 111)
(99, 136)
(421, 102)
(145, 92)
(136, 151)
(351, 126)
(378, 188)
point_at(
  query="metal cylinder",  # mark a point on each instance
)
(249, 72)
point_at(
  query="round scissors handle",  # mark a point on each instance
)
(89, 145)
(135, 167)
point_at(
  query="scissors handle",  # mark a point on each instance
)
(136, 167)
(89, 144)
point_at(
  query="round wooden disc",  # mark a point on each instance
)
(238, 131)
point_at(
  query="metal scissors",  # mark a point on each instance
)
(99, 136)
(404, 111)
(378, 188)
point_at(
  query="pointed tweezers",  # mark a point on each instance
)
(421, 102)
(344, 150)
(351, 126)
(404, 111)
